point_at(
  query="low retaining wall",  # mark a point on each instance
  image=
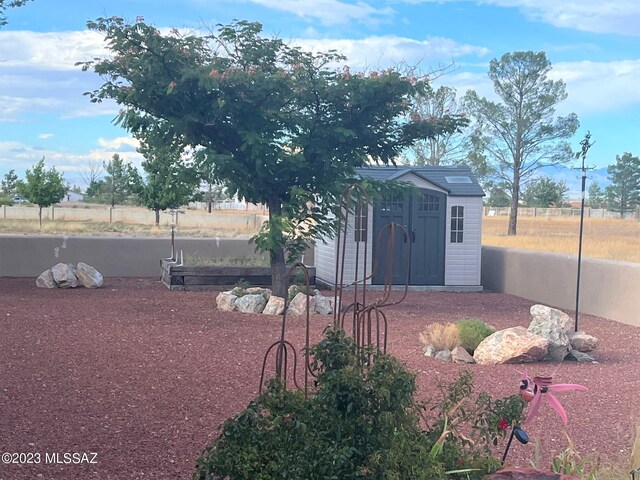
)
(27, 256)
(608, 289)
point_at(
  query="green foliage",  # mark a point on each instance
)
(287, 129)
(42, 187)
(596, 196)
(521, 134)
(240, 289)
(121, 182)
(295, 289)
(9, 183)
(545, 192)
(360, 423)
(623, 194)
(498, 196)
(471, 332)
(5, 200)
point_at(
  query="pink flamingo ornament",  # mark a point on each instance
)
(532, 392)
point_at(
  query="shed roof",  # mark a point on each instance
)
(458, 181)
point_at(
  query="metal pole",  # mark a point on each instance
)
(585, 148)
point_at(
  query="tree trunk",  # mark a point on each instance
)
(277, 259)
(515, 197)
(157, 210)
(210, 198)
(40, 216)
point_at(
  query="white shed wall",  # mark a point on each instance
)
(325, 255)
(462, 260)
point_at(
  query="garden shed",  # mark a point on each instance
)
(443, 218)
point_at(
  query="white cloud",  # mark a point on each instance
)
(612, 16)
(50, 50)
(117, 144)
(330, 12)
(44, 136)
(390, 50)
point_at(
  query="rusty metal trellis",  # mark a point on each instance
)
(369, 326)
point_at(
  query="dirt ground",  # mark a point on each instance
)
(143, 377)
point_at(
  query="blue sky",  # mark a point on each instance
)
(594, 47)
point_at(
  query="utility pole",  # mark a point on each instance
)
(586, 145)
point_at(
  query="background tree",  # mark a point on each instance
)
(121, 181)
(42, 187)
(288, 128)
(170, 183)
(205, 165)
(623, 194)
(4, 4)
(497, 195)
(522, 133)
(596, 196)
(9, 182)
(545, 192)
(92, 174)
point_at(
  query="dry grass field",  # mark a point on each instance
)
(612, 239)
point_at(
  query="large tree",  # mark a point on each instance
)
(170, 182)
(288, 127)
(596, 196)
(623, 194)
(522, 131)
(545, 192)
(42, 187)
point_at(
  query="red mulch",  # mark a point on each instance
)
(144, 377)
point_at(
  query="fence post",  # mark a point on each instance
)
(110, 214)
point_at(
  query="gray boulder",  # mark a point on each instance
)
(226, 302)
(583, 342)
(544, 314)
(64, 275)
(45, 280)
(265, 292)
(444, 355)
(429, 351)
(323, 305)
(252, 303)
(275, 306)
(559, 345)
(88, 276)
(511, 345)
(577, 356)
(460, 355)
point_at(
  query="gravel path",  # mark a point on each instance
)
(143, 377)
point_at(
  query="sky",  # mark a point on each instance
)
(594, 47)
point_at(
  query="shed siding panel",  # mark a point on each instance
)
(462, 260)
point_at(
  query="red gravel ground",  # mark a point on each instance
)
(143, 377)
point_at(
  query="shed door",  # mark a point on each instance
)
(424, 216)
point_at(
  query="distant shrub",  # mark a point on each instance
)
(4, 200)
(441, 336)
(240, 289)
(471, 332)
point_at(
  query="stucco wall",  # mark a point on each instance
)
(608, 289)
(26, 256)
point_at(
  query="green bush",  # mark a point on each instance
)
(4, 200)
(471, 332)
(361, 422)
(296, 289)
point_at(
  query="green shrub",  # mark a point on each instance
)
(4, 200)
(296, 289)
(471, 332)
(361, 422)
(240, 289)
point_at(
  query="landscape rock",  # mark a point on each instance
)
(252, 303)
(429, 351)
(275, 306)
(514, 473)
(559, 344)
(265, 292)
(226, 302)
(511, 345)
(543, 314)
(298, 305)
(444, 355)
(45, 280)
(460, 355)
(323, 305)
(88, 276)
(64, 275)
(577, 356)
(583, 342)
